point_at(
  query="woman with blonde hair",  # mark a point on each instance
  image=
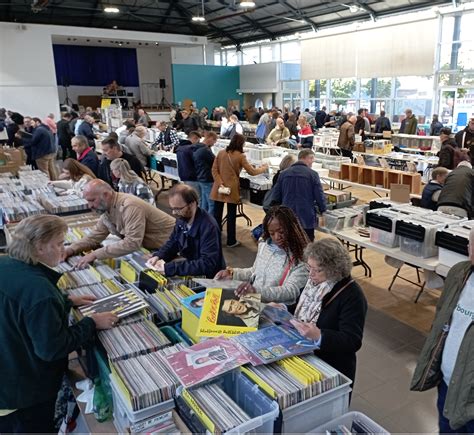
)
(130, 182)
(74, 177)
(34, 326)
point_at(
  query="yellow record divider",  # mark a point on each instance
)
(205, 420)
(260, 382)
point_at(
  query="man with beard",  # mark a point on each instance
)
(196, 238)
(136, 223)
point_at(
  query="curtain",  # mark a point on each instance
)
(95, 66)
(398, 50)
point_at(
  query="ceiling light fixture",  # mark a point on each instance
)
(199, 18)
(247, 4)
(111, 10)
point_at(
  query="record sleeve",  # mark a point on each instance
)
(223, 313)
(206, 360)
(274, 343)
(122, 304)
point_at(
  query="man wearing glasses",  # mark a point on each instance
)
(196, 238)
(136, 223)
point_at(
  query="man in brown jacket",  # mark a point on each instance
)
(346, 136)
(136, 222)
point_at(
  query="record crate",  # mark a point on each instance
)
(251, 399)
(347, 420)
(125, 416)
(317, 410)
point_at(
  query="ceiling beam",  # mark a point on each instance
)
(168, 13)
(186, 13)
(296, 12)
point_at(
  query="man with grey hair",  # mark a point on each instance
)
(447, 358)
(137, 146)
(85, 154)
(299, 188)
(135, 222)
(456, 194)
(409, 124)
(85, 129)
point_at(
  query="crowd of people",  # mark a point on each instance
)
(291, 271)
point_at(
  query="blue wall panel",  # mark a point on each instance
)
(207, 85)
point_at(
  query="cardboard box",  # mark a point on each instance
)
(334, 174)
(335, 196)
(14, 155)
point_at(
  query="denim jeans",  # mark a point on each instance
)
(444, 426)
(205, 202)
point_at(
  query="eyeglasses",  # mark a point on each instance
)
(313, 269)
(178, 209)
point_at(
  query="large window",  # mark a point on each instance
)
(290, 51)
(270, 53)
(455, 70)
(250, 55)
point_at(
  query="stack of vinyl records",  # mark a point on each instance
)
(63, 204)
(147, 378)
(220, 409)
(131, 340)
(167, 302)
(75, 234)
(98, 290)
(16, 209)
(78, 278)
(296, 379)
(105, 271)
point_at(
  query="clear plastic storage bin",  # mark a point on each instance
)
(418, 233)
(262, 410)
(390, 240)
(347, 420)
(124, 413)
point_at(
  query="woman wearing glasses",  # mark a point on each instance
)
(279, 272)
(332, 306)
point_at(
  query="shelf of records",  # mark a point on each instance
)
(30, 194)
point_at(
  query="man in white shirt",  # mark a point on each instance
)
(447, 358)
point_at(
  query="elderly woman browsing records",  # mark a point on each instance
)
(332, 306)
(35, 335)
(278, 272)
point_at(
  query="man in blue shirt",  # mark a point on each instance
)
(196, 238)
(299, 188)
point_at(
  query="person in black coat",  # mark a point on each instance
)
(65, 136)
(332, 307)
(111, 150)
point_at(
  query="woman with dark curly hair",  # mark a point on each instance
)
(279, 272)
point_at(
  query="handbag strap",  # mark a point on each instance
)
(231, 164)
(338, 292)
(286, 271)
